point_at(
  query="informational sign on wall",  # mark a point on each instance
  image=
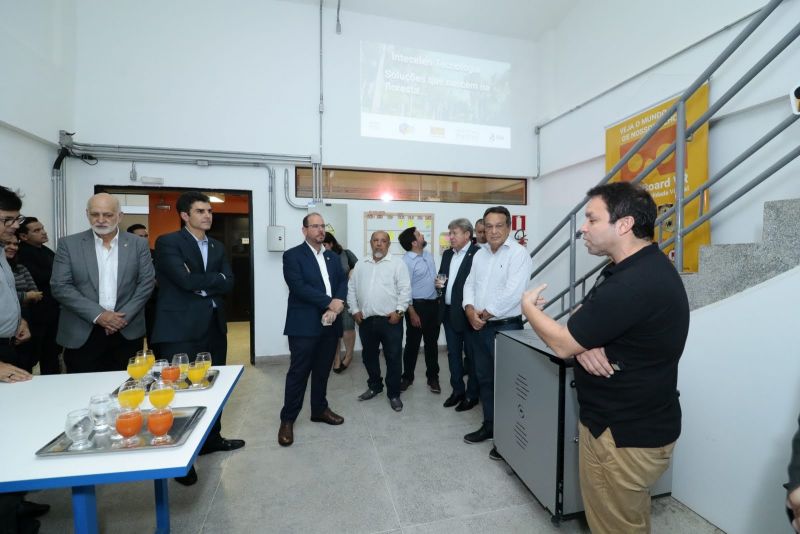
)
(621, 137)
(394, 223)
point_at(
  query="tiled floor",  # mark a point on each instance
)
(380, 472)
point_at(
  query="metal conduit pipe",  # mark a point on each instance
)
(286, 192)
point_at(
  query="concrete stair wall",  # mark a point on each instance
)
(729, 269)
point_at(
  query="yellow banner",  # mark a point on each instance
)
(621, 137)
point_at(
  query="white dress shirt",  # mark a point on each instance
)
(498, 280)
(323, 269)
(455, 265)
(379, 288)
(107, 265)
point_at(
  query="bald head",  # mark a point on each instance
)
(104, 214)
(379, 242)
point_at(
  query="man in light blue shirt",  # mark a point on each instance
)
(422, 319)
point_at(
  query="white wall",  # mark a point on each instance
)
(740, 395)
(157, 74)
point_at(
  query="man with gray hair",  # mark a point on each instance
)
(102, 278)
(456, 265)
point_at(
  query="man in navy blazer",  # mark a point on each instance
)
(193, 277)
(317, 293)
(456, 265)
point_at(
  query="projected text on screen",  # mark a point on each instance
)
(421, 95)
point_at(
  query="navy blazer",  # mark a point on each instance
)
(458, 320)
(182, 313)
(307, 297)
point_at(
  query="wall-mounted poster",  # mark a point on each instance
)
(621, 137)
(394, 223)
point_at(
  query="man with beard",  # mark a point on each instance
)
(38, 259)
(422, 318)
(378, 294)
(102, 278)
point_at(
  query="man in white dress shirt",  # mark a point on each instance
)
(102, 278)
(378, 294)
(492, 295)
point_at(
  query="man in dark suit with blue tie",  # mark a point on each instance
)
(317, 293)
(456, 265)
(193, 277)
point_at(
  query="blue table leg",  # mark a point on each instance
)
(84, 509)
(162, 506)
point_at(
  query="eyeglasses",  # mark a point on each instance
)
(316, 226)
(8, 221)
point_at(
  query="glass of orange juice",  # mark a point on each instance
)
(137, 367)
(204, 358)
(129, 424)
(171, 373)
(182, 361)
(158, 423)
(161, 393)
(131, 395)
(196, 374)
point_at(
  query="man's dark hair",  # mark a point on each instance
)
(307, 217)
(624, 199)
(331, 240)
(132, 228)
(407, 237)
(502, 210)
(185, 201)
(23, 226)
(9, 200)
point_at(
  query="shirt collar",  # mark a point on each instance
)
(313, 250)
(99, 240)
(370, 259)
(204, 240)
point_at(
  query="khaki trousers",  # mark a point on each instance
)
(615, 482)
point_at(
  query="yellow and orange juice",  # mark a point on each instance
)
(160, 398)
(131, 397)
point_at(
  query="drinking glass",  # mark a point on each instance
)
(78, 428)
(182, 361)
(131, 395)
(441, 279)
(129, 424)
(161, 393)
(99, 406)
(171, 373)
(196, 374)
(113, 411)
(204, 358)
(158, 365)
(159, 423)
(137, 367)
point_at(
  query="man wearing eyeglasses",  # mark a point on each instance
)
(317, 293)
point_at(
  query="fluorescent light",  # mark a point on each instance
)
(217, 198)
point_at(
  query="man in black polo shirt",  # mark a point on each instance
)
(627, 336)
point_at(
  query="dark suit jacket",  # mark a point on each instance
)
(75, 285)
(458, 320)
(182, 313)
(307, 297)
(39, 262)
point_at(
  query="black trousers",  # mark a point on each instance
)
(102, 352)
(376, 332)
(8, 354)
(310, 356)
(428, 311)
(214, 341)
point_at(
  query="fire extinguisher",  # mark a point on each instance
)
(521, 238)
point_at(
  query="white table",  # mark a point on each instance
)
(34, 412)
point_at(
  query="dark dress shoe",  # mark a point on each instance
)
(329, 417)
(286, 433)
(189, 479)
(466, 404)
(405, 383)
(434, 386)
(28, 525)
(482, 434)
(222, 444)
(367, 395)
(494, 455)
(31, 509)
(453, 399)
(396, 404)
(337, 370)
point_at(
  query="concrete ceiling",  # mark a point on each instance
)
(519, 19)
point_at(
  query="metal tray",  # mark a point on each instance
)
(182, 385)
(186, 419)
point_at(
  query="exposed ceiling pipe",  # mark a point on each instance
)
(317, 176)
(286, 192)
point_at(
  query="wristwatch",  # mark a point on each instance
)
(401, 313)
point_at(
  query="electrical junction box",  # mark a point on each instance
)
(276, 238)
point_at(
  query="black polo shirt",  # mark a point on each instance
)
(639, 313)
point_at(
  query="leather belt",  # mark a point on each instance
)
(501, 322)
(6, 340)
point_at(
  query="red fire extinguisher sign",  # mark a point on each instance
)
(518, 222)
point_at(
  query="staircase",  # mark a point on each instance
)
(729, 269)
